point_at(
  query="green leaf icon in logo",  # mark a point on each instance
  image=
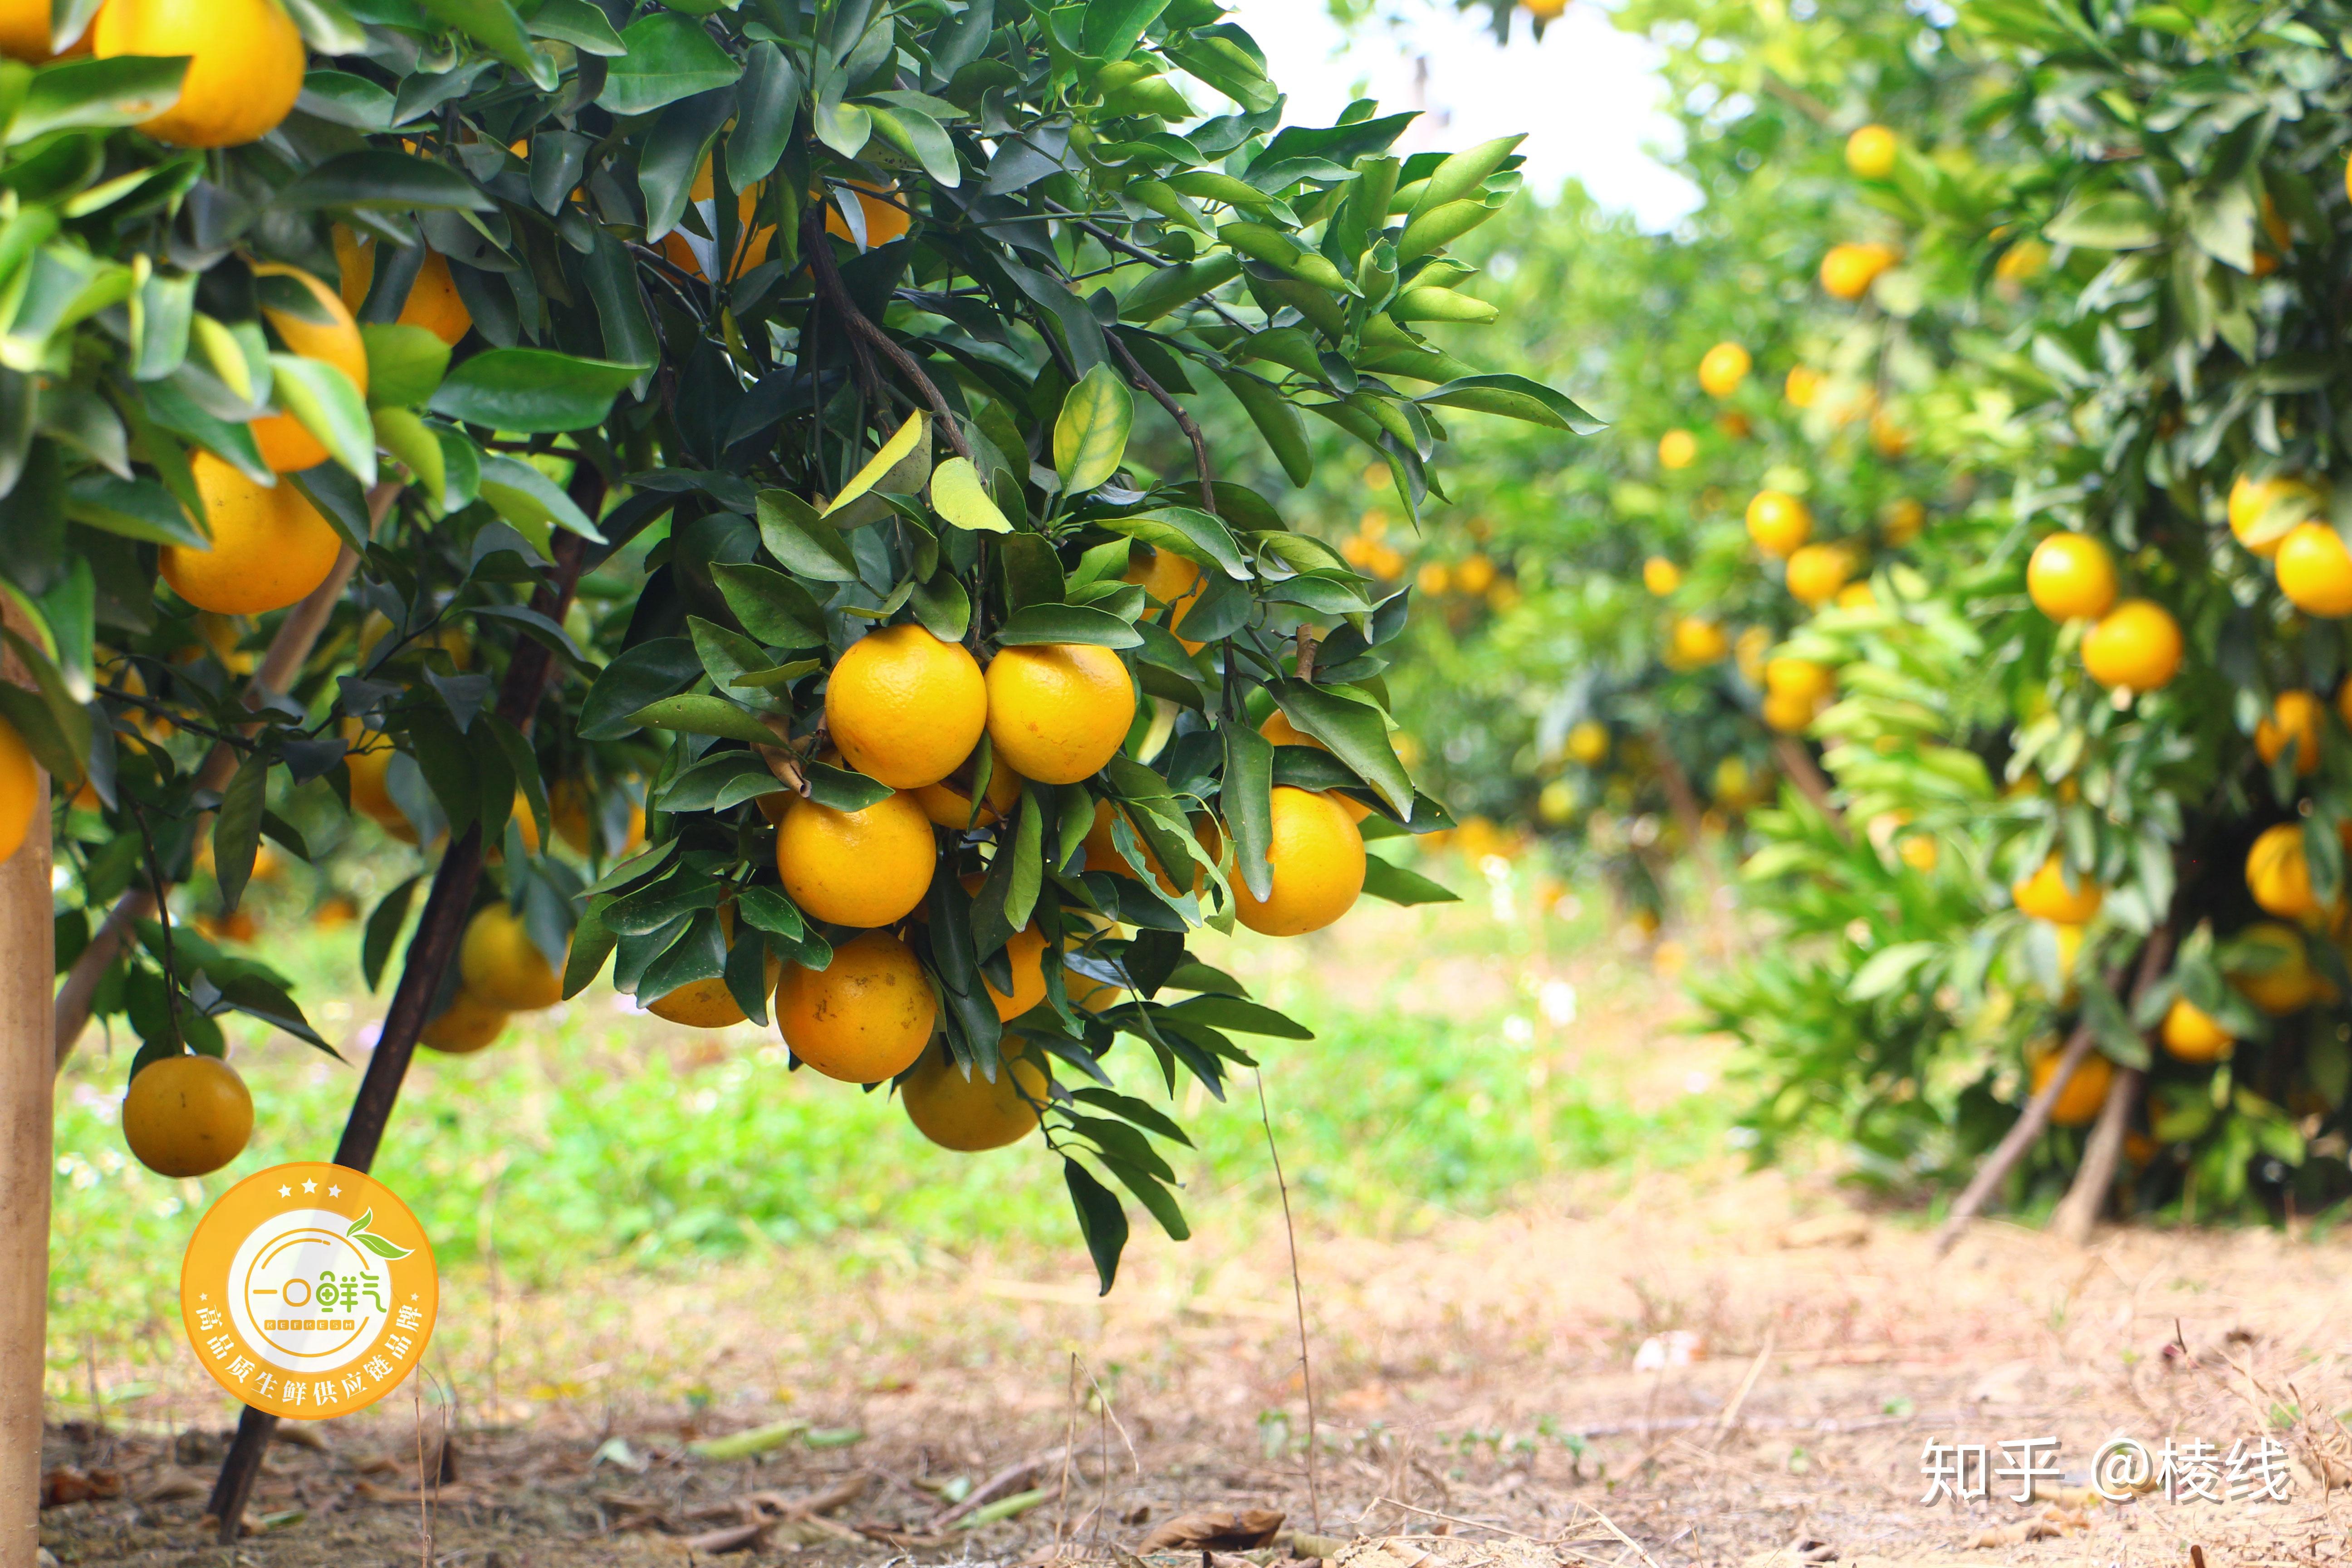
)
(359, 1232)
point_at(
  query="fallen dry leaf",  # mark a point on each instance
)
(1842, 1228)
(65, 1486)
(1236, 1529)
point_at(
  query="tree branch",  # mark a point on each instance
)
(1184, 421)
(818, 247)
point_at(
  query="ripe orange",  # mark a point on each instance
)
(868, 867)
(2078, 1103)
(863, 1017)
(1888, 438)
(286, 445)
(1169, 580)
(948, 802)
(1661, 576)
(20, 789)
(1722, 368)
(2250, 502)
(2314, 571)
(1801, 678)
(245, 66)
(1089, 994)
(270, 547)
(465, 1025)
(1587, 742)
(1816, 572)
(1474, 576)
(750, 245)
(1697, 641)
(368, 761)
(1058, 712)
(1026, 952)
(1779, 523)
(2046, 896)
(1677, 449)
(1802, 385)
(905, 707)
(968, 1115)
(1318, 858)
(24, 32)
(187, 1115)
(2193, 1035)
(2135, 646)
(1869, 152)
(1901, 519)
(2285, 982)
(1849, 271)
(1919, 852)
(432, 301)
(2278, 875)
(707, 1003)
(885, 220)
(1279, 729)
(2071, 577)
(502, 967)
(2022, 262)
(2294, 718)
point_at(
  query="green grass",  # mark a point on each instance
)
(591, 1137)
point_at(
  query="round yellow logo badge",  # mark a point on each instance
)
(309, 1291)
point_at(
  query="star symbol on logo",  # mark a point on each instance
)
(309, 1186)
(334, 1192)
(285, 1192)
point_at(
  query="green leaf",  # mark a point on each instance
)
(404, 365)
(1355, 732)
(1198, 536)
(839, 788)
(1239, 1016)
(383, 930)
(1276, 420)
(237, 830)
(1066, 623)
(532, 391)
(1248, 802)
(1463, 173)
(765, 103)
(530, 500)
(919, 137)
(797, 535)
(378, 178)
(698, 715)
(1440, 227)
(1386, 880)
(123, 89)
(1090, 436)
(1515, 397)
(1100, 1220)
(942, 605)
(327, 27)
(2117, 220)
(771, 607)
(494, 24)
(1111, 27)
(666, 56)
(579, 24)
(329, 406)
(958, 496)
(902, 467)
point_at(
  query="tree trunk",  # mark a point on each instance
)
(430, 952)
(27, 964)
(2079, 1210)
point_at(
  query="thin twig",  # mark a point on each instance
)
(1305, 651)
(1297, 1298)
(1184, 421)
(863, 330)
(1454, 1518)
(1069, 1446)
(163, 913)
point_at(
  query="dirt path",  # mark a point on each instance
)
(1716, 1368)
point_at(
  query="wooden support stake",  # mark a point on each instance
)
(439, 930)
(2078, 1212)
(26, 963)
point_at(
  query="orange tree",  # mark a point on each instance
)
(2081, 862)
(754, 452)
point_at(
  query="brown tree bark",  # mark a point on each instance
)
(26, 1084)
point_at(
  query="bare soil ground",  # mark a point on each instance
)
(1490, 1390)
